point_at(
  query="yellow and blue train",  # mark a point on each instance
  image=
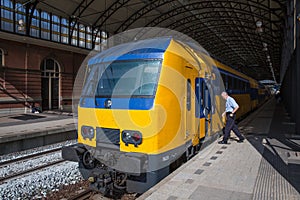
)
(147, 105)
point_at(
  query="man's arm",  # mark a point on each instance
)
(235, 109)
(223, 113)
(235, 106)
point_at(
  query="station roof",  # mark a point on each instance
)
(245, 34)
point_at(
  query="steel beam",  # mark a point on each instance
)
(108, 12)
(141, 12)
(101, 20)
(202, 33)
(73, 19)
(215, 5)
(297, 67)
(220, 26)
(29, 15)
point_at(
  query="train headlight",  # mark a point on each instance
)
(127, 136)
(132, 137)
(87, 132)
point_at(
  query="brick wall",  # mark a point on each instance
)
(20, 77)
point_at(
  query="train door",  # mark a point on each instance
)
(203, 107)
(50, 84)
(206, 108)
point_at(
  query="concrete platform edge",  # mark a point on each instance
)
(37, 139)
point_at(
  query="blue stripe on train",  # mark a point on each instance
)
(146, 49)
(231, 74)
(134, 103)
(136, 55)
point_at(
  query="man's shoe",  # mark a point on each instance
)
(240, 141)
(222, 142)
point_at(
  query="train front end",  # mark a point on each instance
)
(120, 121)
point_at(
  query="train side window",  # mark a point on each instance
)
(224, 77)
(229, 81)
(248, 87)
(188, 95)
(240, 85)
(237, 84)
(233, 83)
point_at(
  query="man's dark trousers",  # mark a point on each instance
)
(230, 125)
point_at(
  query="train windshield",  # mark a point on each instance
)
(126, 78)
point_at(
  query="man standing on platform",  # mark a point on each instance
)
(230, 110)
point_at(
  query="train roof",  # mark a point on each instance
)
(142, 49)
(152, 49)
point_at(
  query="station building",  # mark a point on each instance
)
(43, 43)
(38, 66)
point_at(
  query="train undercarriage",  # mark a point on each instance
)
(112, 172)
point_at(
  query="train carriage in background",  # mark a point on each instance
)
(241, 87)
(146, 106)
(264, 93)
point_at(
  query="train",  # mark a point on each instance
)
(147, 106)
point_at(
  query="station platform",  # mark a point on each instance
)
(265, 166)
(24, 131)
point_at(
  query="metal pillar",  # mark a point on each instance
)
(289, 62)
(297, 68)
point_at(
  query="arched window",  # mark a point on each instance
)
(50, 68)
(1, 57)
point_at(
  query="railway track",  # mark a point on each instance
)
(23, 159)
(34, 173)
(31, 156)
(15, 175)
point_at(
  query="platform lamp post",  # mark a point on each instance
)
(259, 28)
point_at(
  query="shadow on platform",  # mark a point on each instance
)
(279, 148)
(25, 117)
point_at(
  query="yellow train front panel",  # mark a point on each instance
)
(163, 125)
